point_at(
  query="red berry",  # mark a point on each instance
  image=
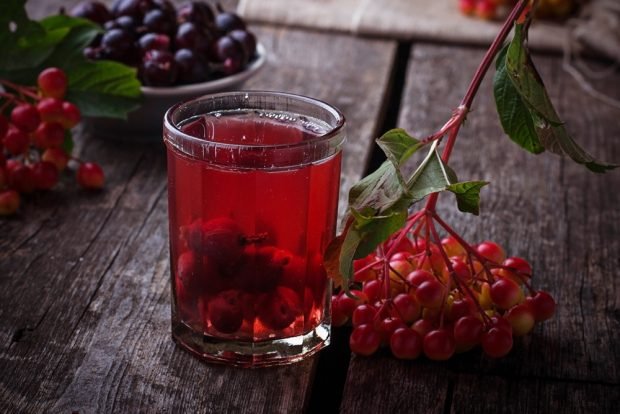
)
(49, 135)
(505, 293)
(16, 141)
(364, 314)
(462, 307)
(461, 270)
(45, 175)
(25, 117)
(452, 247)
(520, 269)
(491, 251)
(406, 307)
(364, 340)
(90, 176)
(406, 343)
(387, 326)
(339, 318)
(2, 159)
(430, 294)
(9, 202)
(20, 177)
(423, 326)
(225, 312)
(373, 290)
(50, 109)
(52, 82)
(279, 309)
(496, 342)
(417, 277)
(349, 303)
(2, 175)
(220, 238)
(468, 331)
(70, 115)
(439, 345)
(56, 156)
(542, 305)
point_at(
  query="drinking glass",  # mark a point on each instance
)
(253, 182)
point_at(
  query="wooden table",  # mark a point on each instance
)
(84, 278)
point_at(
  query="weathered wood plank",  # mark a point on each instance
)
(484, 394)
(557, 214)
(84, 290)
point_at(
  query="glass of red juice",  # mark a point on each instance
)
(253, 183)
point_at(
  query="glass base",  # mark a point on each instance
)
(246, 354)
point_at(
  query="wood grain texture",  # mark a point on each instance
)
(84, 277)
(561, 217)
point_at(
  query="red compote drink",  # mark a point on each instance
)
(253, 196)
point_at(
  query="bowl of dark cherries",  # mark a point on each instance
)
(179, 53)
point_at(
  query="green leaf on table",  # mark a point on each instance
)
(525, 110)
(467, 195)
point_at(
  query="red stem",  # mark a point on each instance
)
(483, 68)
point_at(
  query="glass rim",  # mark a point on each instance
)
(334, 131)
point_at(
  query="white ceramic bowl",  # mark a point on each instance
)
(145, 123)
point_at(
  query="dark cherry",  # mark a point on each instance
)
(191, 67)
(92, 10)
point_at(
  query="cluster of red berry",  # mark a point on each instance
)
(31, 139)
(439, 299)
(227, 282)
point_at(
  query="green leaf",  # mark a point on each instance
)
(557, 139)
(513, 113)
(104, 89)
(431, 176)
(516, 73)
(468, 195)
(398, 145)
(25, 43)
(378, 230)
(526, 79)
(379, 190)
